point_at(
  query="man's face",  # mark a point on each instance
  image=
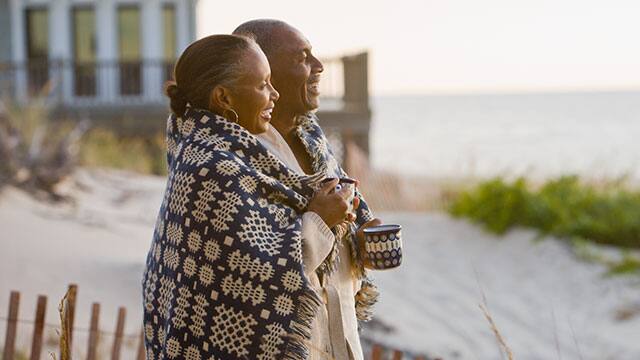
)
(295, 72)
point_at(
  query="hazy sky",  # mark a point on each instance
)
(432, 46)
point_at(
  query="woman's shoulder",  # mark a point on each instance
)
(195, 157)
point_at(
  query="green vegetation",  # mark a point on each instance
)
(105, 148)
(564, 207)
(618, 264)
(629, 264)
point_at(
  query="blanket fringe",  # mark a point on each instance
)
(330, 264)
(368, 294)
(365, 298)
(358, 270)
(297, 348)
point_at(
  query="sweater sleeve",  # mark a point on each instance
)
(317, 241)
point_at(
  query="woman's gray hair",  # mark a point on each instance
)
(206, 63)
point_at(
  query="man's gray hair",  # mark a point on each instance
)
(262, 30)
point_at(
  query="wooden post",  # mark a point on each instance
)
(141, 350)
(38, 330)
(397, 355)
(94, 332)
(356, 81)
(67, 311)
(65, 327)
(72, 293)
(117, 341)
(356, 94)
(377, 352)
(12, 322)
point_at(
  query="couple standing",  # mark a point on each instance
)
(255, 255)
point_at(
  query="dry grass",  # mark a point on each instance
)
(504, 348)
(36, 152)
(105, 148)
(494, 328)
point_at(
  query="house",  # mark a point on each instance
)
(92, 55)
(108, 60)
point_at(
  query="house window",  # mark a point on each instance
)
(129, 50)
(170, 48)
(84, 51)
(37, 31)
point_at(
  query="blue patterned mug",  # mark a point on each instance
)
(383, 246)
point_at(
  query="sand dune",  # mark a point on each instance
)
(546, 303)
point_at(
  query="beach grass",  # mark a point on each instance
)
(102, 147)
(607, 212)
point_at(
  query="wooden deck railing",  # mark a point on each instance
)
(129, 95)
(116, 83)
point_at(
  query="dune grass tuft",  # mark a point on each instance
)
(606, 213)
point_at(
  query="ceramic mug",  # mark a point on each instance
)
(349, 183)
(383, 246)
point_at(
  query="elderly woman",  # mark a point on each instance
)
(225, 276)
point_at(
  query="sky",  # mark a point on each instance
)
(462, 46)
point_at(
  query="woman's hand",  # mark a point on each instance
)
(331, 206)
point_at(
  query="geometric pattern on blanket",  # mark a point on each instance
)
(224, 276)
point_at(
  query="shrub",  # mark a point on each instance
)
(37, 153)
(104, 148)
(564, 207)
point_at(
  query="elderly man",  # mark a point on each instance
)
(331, 258)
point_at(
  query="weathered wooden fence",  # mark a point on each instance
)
(67, 310)
(378, 352)
(66, 329)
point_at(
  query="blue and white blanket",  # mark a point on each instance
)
(224, 277)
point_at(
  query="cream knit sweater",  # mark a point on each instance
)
(317, 243)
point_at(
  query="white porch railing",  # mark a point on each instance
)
(98, 84)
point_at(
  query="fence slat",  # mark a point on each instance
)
(397, 355)
(67, 319)
(376, 352)
(94, 332)
(141, 349)
(38, 329)
(12, 322)
(117, 341)
(71, 311)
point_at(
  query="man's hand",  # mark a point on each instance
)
(351, 217)
(360, 237)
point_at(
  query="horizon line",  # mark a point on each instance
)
(507, 91)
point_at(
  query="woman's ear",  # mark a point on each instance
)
(220, 98)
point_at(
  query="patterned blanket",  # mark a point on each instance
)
(224, 276)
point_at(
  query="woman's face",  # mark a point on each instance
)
(253, 97)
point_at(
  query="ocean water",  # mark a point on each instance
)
(595, 135)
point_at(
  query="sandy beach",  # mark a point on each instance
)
(546, 303)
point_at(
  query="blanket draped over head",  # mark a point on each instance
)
(224, 276)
